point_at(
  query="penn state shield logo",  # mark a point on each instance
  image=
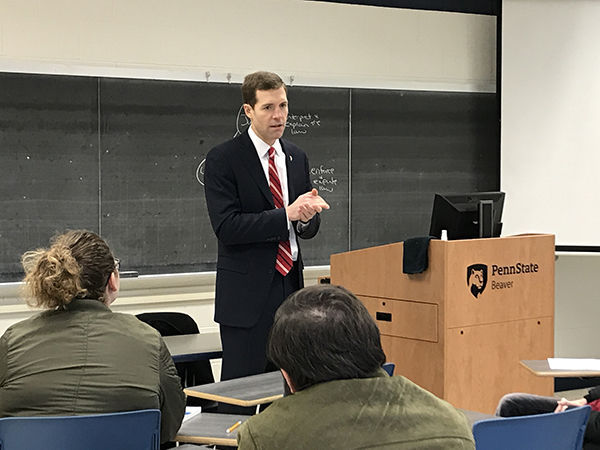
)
(477, 275)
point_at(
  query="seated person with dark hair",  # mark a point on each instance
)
(329, 351)
(519, 404)
(78, 357)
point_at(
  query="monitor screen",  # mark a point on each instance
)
(467, 216)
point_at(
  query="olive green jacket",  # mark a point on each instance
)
(370, 413)
(88, 360)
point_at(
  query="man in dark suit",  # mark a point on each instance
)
(260, 200)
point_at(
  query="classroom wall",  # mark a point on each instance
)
(577, 307)
(550, 115)
(316, 43)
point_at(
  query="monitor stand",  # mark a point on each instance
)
(486, 218)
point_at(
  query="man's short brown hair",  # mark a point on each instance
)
(323, 333)
(261, 81)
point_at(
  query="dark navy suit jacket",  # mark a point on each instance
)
(247, 225)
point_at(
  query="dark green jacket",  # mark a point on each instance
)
(88, 360)
(370, 413)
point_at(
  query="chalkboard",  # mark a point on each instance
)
(48, 162)
(154, 135)
(124, 157)
(408, 145)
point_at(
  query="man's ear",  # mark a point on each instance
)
(248, 111)
(288, 380)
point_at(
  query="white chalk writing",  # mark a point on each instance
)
(241, 122)
(321, 170)
(302, 123)
(323, 178)
(200, 172)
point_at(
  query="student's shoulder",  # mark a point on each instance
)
(270, 426)
(281, 410)
(134, 325)
(419, 398)
(28, 325)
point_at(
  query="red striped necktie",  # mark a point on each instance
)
(284, 262)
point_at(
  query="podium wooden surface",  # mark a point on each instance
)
(462, 345)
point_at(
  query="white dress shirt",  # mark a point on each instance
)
(262, 149)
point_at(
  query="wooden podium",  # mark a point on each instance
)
(460, 328)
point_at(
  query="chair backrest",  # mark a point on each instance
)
(389, 368)
(170, 323)
(191, 373)
(556, 431)
(133, 430)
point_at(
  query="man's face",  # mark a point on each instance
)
(269, 114)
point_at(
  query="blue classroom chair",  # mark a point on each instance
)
(389, 368)
(133, 430)
(555, 431)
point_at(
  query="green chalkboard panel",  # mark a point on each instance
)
(408, 145)
(48, 161)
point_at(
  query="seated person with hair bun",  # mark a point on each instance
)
(328, 349)
(78, 357)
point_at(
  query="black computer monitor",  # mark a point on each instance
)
(467, 216)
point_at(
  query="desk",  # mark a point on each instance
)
(540, 367)
(193, 347)
(247, 391)
(210, 428)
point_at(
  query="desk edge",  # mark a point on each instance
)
(231, 400)
(231, 442)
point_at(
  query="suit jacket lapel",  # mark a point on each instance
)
(289, 164)
(249, 158)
